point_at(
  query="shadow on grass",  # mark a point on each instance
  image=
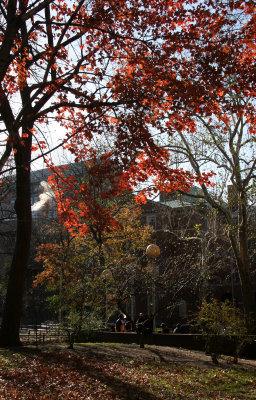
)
(93, 368)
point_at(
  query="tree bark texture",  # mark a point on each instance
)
(9, 335)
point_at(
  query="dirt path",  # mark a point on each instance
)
(161, 354)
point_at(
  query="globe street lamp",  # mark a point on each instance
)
(153, 251)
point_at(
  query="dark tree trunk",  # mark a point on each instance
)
(238, 236)
(239, 243)
(247, 287)
(245, 267)
(9, 335)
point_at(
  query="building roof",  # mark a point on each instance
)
(176, 203)
(180, 200)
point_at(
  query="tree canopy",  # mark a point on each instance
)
(130, 72)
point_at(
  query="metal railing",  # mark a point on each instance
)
(40, 334)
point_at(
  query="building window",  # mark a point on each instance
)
(151, 221)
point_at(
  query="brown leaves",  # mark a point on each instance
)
(74, 375)
(59, 375)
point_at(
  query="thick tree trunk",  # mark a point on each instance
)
(9, 335)
(245, 267)
(243, 263)
(247, 292)
(239, 242)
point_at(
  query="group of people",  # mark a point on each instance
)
(144, 324)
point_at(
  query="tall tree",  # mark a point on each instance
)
(77, 270)
(223, 60)
(202, 92)
(59, 60)
(97, 68)
(233, 154)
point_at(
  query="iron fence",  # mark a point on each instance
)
(44, 333)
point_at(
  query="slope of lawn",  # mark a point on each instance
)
(65, 374)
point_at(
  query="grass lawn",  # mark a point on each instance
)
(50, 373)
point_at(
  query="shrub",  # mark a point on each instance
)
(219, 321)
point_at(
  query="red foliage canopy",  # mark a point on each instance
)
(127, 74)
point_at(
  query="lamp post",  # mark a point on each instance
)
(153, 251)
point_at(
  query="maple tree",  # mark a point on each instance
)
(60, 61)
(69, 277)
(85, 261)
(120, 246)
(112, 69)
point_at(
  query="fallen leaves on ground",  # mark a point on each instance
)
(64, 374)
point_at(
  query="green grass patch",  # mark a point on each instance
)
(183, 382)
(10, 359)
